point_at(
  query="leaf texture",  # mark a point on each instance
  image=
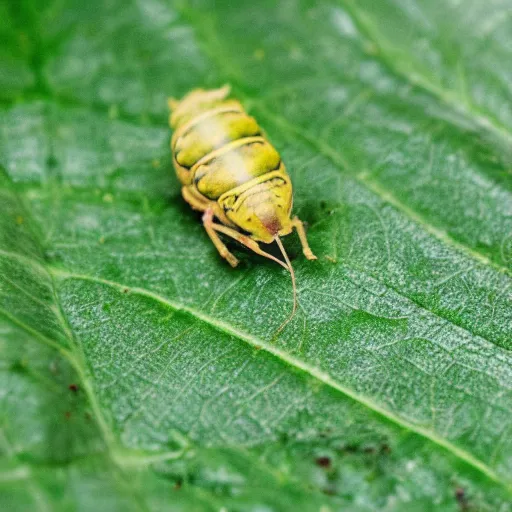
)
(140, 372)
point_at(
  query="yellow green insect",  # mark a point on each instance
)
(231, 172)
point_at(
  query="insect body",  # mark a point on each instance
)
(231, 172)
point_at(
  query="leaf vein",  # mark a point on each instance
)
(298, 364)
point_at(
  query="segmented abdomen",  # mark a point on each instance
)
(220, 149)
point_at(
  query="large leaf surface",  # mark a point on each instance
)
(140, 372)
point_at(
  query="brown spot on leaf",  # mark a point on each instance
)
(323, 462)
(384, 448)
(462, 499)
(73, 387)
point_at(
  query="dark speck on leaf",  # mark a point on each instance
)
(323, 462)
(125, 290)
(461, 498)
(73, 387)
(67, 414)
(284, 437)
(177, 485)
(385, 449)
(51, 162)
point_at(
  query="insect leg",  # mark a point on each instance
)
(299, 226)
(211, 229)
(247, 241)
(194, 201)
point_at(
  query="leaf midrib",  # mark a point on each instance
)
(294, 362)
(384, 194)
(257, 343)
(351, 265)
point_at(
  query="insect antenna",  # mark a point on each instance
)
(294, 286)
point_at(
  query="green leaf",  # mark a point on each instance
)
(140, 372)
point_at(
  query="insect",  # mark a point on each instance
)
(231, 172)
